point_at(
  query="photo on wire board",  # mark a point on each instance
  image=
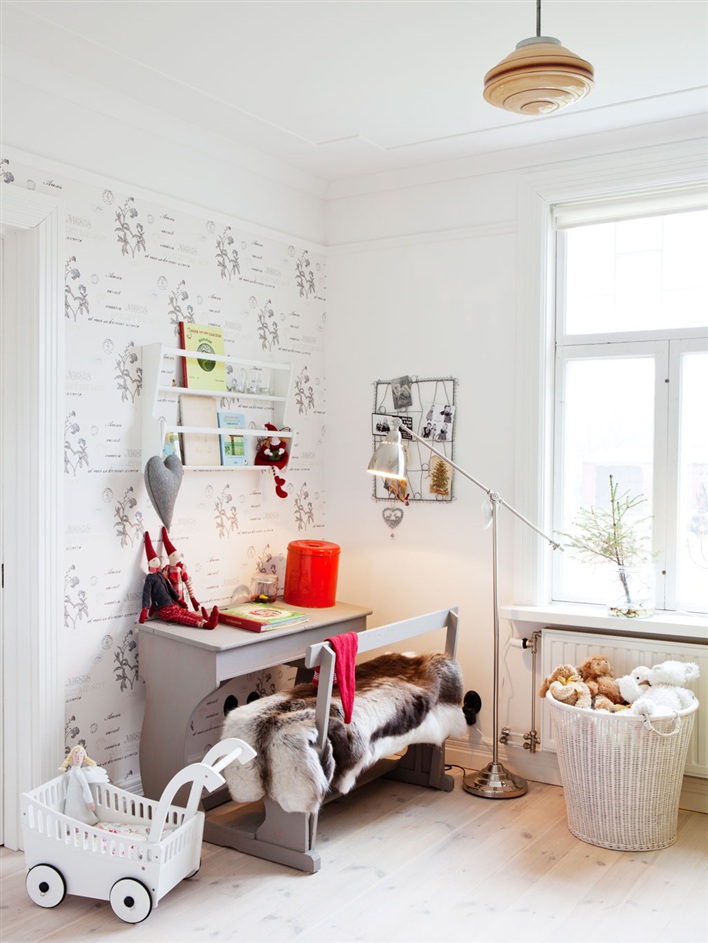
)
(436, 423)
(381, 424)
(402, 392)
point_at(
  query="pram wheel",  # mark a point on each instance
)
(45, 885)
(130, 900)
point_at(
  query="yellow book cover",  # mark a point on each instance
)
(200, 373)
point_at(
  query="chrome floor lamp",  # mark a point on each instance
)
(389, 461)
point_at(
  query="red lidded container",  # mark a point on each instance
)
(311, 573)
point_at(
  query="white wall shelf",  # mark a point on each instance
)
(156, 392)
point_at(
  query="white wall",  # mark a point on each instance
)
(427, 277)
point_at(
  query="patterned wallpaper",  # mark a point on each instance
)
(133, 269)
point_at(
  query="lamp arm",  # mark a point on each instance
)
(492, 495)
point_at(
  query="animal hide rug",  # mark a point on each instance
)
(400, 700)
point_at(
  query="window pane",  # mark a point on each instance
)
(693, 484)
(637, 275)
(607, 427)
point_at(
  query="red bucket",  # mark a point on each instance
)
(311, 573)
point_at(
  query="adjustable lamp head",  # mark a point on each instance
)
(389, 459)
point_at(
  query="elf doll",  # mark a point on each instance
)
(160, 597)
(176, 572)
(274, 452)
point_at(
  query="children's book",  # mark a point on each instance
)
(199, 448)
(199, 372)
(171, 445)
(233, 447)
(257, 617)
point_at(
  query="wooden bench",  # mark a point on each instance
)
(259, 824)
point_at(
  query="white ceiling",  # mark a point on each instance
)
(339, 88)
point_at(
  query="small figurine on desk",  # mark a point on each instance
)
(81, 770)
(160, 597)
(176, 573)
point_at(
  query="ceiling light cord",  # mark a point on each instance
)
(538, 17)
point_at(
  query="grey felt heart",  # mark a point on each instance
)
(162, 480)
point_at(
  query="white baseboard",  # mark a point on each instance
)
(542, 767)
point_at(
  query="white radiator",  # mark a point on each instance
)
(563, 647)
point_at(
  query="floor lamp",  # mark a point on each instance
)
(389, 461)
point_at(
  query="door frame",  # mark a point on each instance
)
(31, 452)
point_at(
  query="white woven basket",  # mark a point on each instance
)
(621, 776)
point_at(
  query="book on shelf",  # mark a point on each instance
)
(199, 448)
(197, 372)
(258, 617)
(171, 445)
(233, 446)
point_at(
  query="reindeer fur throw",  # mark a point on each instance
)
(400, 700)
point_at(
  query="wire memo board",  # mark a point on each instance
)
(427, 406)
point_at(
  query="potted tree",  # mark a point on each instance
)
(617, 536)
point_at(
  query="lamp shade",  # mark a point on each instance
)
(389, 459)
(538, 78)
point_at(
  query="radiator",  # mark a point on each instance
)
(562, 647)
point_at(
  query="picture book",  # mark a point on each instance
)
(171, 445)
(233, 447)
(257, 617)
(201, 449)
(198, 372)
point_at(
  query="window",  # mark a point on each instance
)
(631, 384)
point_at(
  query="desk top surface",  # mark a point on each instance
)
(225, 637)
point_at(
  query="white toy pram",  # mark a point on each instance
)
(139, 849)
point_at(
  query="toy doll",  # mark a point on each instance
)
(160, 597)
(81, 770)
(176, 573)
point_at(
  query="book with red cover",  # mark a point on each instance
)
(259, 617)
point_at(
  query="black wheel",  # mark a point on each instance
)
(45, 885)
(130, 900)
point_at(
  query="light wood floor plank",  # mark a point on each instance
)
(401, 863)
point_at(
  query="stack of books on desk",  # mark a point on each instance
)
(259, 617)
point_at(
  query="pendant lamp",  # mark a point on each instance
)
(539, 77)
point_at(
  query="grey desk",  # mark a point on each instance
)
(181, 666)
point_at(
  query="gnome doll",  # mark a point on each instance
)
(176, 572)
(274, 452)
(160, 597)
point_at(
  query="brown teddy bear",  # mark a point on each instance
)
(598, 674)
(567, 687)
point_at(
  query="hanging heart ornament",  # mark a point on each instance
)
(393, 517)
(163, 480)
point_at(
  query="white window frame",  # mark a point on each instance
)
(633, 172)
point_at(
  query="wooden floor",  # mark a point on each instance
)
(401, 863)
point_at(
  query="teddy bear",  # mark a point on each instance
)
(659, 691)
(598, 674)
(567, 687)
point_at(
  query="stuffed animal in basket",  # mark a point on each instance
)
(659, 691)
(566, 686)
(599, 676)
(81, 770)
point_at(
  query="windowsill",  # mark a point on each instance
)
(670, 625)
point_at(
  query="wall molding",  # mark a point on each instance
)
(33, 672)
(91, 178)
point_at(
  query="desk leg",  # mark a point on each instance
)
(177, 679)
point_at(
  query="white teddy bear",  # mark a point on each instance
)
(658, 691)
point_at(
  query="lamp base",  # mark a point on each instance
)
(495, 782)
